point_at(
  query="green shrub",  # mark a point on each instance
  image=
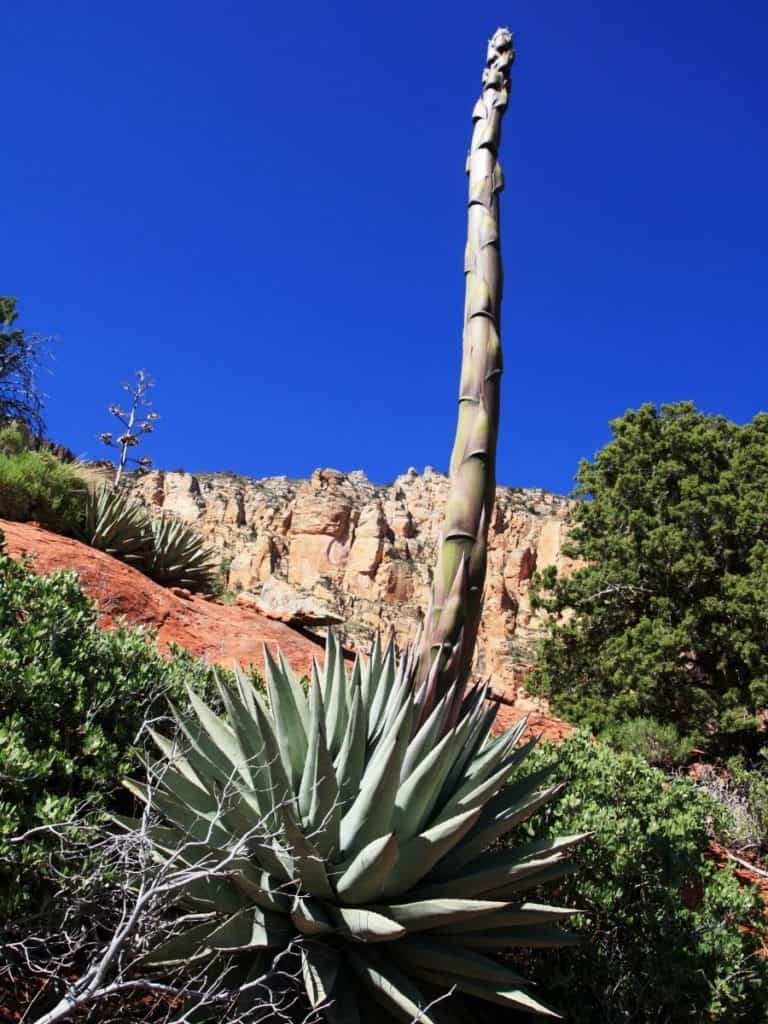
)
(72, 700)
(750, 783)
(15, 438)
(659, 743)
(668, 936)
(37, 486)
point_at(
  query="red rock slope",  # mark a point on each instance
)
(216, 632)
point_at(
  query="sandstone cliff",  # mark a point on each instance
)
(339, 549)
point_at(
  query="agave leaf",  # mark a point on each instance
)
(364, 925)
(221, 734)
(317, 729)
(233, 808)
(443, 915)
(212, 895)
(534, 850)
(550, 870)
(433, 955)
(320, 967)
(281, 791)
(178, 556)
(256, 770)
(259, 886)
(309, 865)
(515, 998)
(500, 752)
(310, 916)
(299, 696)
(337, 708)
(252, 993)
(250, 928)
(419, 855)
(343, 1006)
(486, 758)
(327, 676)
(319, 802)
(364, 879)
(289, 726)
(494, 871)
(384, 684)
(324, 817)
(189, 945)
(473, 794)
(173, 753)
(514, 916)
(208, 760)
(114, 524)
(206, 828)
(496, 820)
(180, 788)
(402, 690)
(245, 689)
(391, 988)
(371, 673)
(416, 795)
(370, 815)
(378, 749)
(427, 736)
(350, 763)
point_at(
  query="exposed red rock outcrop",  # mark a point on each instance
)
(338, 548)
(219, 633)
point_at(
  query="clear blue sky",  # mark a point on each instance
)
(263, 204)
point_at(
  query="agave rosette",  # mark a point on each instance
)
(354, 824)
(116, 525)
(179, 556)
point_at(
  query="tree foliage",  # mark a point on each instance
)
(20, 399)
(667, 618)
(668, 936)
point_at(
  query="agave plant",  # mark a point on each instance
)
(178, 556)
(356, 826)
(353, 825)
(116, 525)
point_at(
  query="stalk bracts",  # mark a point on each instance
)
(452, 620)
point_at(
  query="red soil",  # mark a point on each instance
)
(219, 633)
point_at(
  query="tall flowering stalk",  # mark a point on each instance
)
(450, 628)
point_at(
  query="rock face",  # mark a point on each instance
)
(221, 634)
(338, 549)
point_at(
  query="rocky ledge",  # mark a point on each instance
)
(339, 549)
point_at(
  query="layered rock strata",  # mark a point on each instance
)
(339, 549)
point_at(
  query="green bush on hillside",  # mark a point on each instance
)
(750, 783)
(72, 700)
(668, 936)
(659, 743)
(15, 438)
(37, 486)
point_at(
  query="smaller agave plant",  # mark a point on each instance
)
(178, 556)
(116, 525)
(357, 826)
